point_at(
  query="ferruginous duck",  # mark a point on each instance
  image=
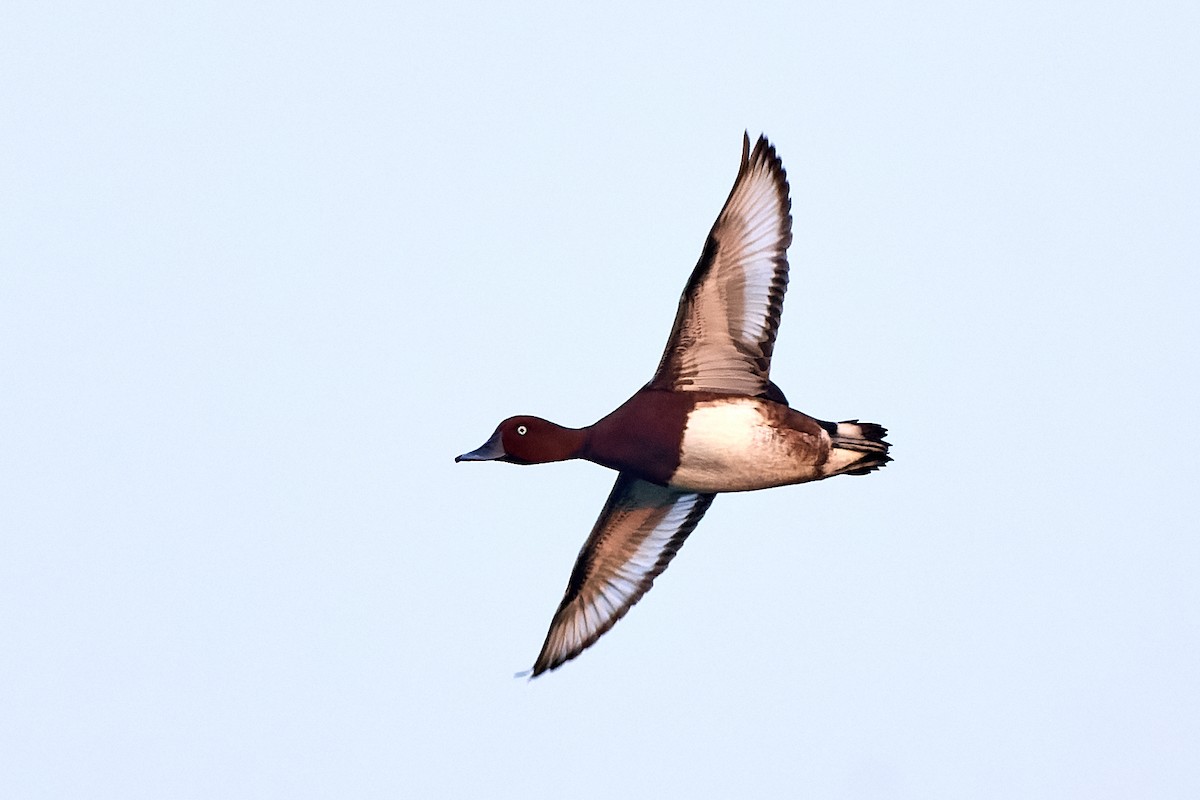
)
(709, 421)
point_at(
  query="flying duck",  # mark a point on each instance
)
(709, 421)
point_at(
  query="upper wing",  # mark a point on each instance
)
(640, 530)
(729, 313)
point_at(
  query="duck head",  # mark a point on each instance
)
(528, 440)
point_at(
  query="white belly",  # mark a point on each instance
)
(730, 446)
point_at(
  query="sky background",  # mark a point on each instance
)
(265, 270)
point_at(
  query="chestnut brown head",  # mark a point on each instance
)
(527, 440)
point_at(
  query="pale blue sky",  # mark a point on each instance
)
(265, 271)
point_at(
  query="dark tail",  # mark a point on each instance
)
(858, 448)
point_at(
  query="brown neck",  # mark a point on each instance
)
(568, 443)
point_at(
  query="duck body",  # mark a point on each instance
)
(709, 442)
(709, 421)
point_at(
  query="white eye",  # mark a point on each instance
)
(522, 430)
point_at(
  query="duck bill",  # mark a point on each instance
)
(491, 450)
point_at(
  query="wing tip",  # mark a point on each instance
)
(551, 658)
(765, 154)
